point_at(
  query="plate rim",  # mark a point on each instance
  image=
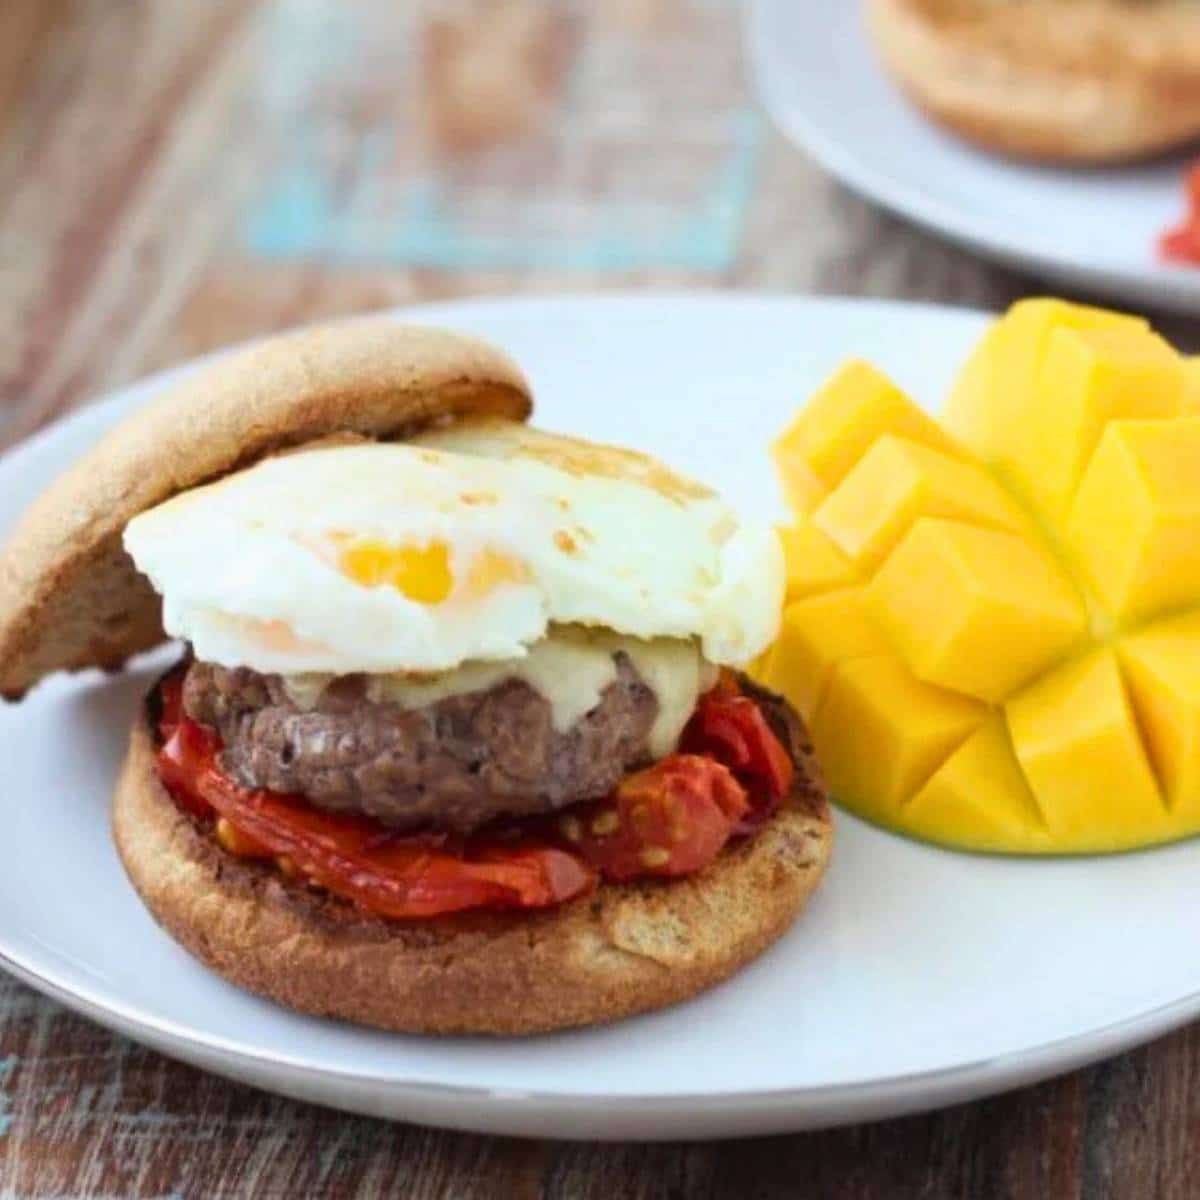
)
(1164, 285)
(761, 1109)
(873, 1096)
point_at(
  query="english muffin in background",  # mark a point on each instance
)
(1071, 81)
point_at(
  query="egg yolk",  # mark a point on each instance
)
(422, 573)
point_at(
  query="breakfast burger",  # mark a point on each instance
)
(457, 740)
(1084, 81)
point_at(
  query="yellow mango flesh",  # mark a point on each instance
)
(898, 481)
(814, 563)
(976, 610)
(979, 798)
(909, 726)
(1079, 747)
(839, 425)
(815, 634)
(1135, 524)
(1089, 377)
(995, 636)
(992, 404)
(1191, 385)
(1162, 666)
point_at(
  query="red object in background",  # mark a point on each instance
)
(672, 818)
(1182, 244)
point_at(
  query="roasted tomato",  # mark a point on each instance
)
(670, 819)
(731, 728)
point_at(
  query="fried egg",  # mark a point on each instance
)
(466, 544)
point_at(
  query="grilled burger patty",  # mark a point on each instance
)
(455, 764)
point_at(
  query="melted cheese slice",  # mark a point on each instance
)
(570, 667)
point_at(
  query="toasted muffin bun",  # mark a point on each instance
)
(70, 597)
(624, 949)
(1074, 81)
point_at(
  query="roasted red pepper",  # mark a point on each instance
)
(356, 857)
(396, 876)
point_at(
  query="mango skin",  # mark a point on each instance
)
(994, 631)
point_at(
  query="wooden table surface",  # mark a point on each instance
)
(177, 175)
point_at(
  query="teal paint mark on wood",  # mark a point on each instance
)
(433, 221)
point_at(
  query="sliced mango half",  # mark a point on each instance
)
(993, 626)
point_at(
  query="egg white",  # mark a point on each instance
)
(249, 573)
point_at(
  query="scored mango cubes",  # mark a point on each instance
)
(859, 707)
(1077, 741)
(994, 632)
(979, 798)
(992, 403)
(1089, 377)
(1135, 522)
(839, 424)
(896, 482)
(817, 633)
(1162, 667)
(814, 563)
(976, 610)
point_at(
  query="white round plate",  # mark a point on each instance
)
(915, 978)
(1096, 229)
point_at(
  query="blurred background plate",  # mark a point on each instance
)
(1091, 229)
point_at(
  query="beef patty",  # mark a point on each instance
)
(454, 764)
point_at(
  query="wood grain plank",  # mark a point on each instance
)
(93, 1115)
(62, 295)
(25, 27)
